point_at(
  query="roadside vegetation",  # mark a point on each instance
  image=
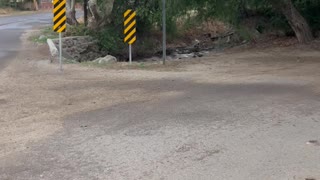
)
(43, 35)
(202, 20)
(192, 25)
(14, 5)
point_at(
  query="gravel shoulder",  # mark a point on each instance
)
(235, 115)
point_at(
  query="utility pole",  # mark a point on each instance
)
(164, 35)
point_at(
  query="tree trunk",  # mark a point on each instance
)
(297, 22)
(108, 11)
(118, 8)
(71, 12)
(35, 3)
(85, 12)
(100, 16)
(94, 11)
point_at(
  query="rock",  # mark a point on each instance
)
(77, 57)
(106, 59)
(198, 54)
(42, 37)
(53, 50)
(196, 43)
(70, 43)
(80, 48)
(313, 142)
(183, 56)
(72, 50)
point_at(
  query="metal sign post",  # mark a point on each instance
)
(59, 23)
(60, 52)
(130, 30)
(164, 43)
(130, 53)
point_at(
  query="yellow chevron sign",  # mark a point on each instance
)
(130, 26)
(59, 16)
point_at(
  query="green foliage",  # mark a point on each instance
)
(4, 3)
(79, 30)
(193, 12)
(310, 10)
(278, 22)
(142, 65)
(46, 33)
(148, 17)
(110, 39)
(9, 4)
(111, 36)
(244, 33)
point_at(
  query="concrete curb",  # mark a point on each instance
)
(53, 50)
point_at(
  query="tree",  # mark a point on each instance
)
(107, 13)
(85, 12)
(101, 12)
(71, 12)
(297, 22)
(35, 3)
(295, 19)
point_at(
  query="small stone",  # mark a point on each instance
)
(313, 142)
(42, 37)
(106, 59)
(196, 43)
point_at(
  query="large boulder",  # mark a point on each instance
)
(105, 60)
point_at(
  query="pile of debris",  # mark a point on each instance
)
(78, 48)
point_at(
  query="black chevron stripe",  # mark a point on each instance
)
(61, 24)
(60, 9)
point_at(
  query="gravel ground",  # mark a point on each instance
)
(236, 115)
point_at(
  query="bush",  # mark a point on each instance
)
(4, 3)
(79, 30)
(110, 39)
(244, 33)
(310, 10)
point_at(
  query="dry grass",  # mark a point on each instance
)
(11, 11)
(4, 11)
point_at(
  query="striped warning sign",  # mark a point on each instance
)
(59, 15)
(130, 26)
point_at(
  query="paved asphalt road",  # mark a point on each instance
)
(12, 27)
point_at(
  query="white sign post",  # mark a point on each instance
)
(130, 54)
(60, 51)
(164, 43)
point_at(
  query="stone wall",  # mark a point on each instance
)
(80, 48)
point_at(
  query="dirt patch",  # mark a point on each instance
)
(2, 101)
(36, 97)
(13, 12)
(5, 11)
